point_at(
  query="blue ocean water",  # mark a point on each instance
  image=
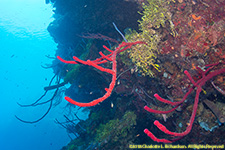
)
(24, 42)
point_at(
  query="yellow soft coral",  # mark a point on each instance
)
(155, 15)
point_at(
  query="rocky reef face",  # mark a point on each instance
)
(74, 17)
(180, 35)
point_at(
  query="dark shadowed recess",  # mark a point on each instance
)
(74, 17)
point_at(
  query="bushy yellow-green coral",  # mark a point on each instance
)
(143, 56)
(116, 129)
(155, 15)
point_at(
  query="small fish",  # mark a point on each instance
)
(164, 117)
(112, 105)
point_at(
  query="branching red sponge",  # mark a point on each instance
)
(96, 64)
(206, 76)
